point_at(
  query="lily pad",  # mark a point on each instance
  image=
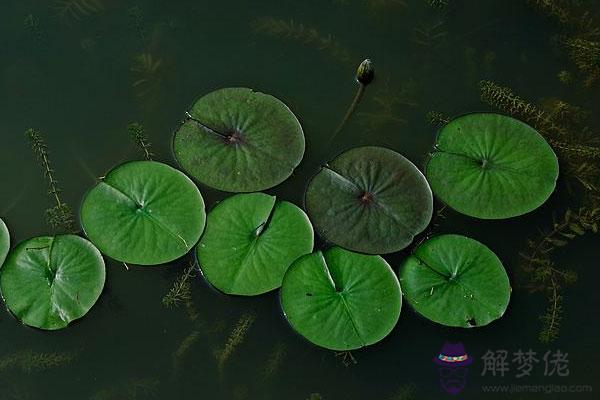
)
(455, 281)
(371, 200)
(250, 241)
(49, 281)
(144, 213)
(491, 166)
(239, 140)
(341, 300)
(4, 241)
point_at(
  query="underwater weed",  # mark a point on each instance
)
(131, 389)
(29, 361)
(136, 15)
(542, 272)
(59, 217)
(183, 348)
(147, 77)
(429, 34)
(585, 54)
(290, 30)
(388, 100)
(436, 118)
(32, 25)
(275, 360)
(438, 3)
(75, 10)
(138, 135)
(181, 292)
(405, 392)
(236, 338)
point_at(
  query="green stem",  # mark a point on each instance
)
(357, 98)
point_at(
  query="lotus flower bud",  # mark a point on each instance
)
(365, 72)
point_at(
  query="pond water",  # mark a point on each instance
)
(80, 78)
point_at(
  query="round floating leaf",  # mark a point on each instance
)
(239, 140)
(491, 166)
(49, 281)
(4, 241)
(455, 281)
(371, 200)
(341, 300)
(250, 241)
(144, 213)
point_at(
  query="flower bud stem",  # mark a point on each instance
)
(357, 98)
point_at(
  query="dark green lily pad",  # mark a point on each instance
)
(492, 166)
(341, 300)
(239, 140)
(371, 200)
(250, 241)
(4, 241)
(144, 213)
(49, 281)
(455, 281)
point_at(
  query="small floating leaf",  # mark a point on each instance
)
(371, 200)
(455, 281)
(492, 166)
(341, 300)
(239, 140)
(4, 241)
(250, 241)
(144, 213)
(49, 281)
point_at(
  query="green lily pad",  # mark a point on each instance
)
(455, 281)
(491, 166)
(4, 241)
(49, 281)
(371, 200)
(239, 140)
(250, 241)
(341, 300)
(144, 213)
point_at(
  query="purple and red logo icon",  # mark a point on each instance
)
(453, 362)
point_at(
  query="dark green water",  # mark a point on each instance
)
(73, 80)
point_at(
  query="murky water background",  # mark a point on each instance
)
(73, 79)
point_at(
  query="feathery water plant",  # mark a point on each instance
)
(30, 361)
(543, 273)
(60, 217)
(184, 347)
(147, 77)
(436, 118)
(429, 34)
(388, 100)
(32, 24)
(181, 292)
(138, 135)
(275, 360)
(300, 33)
(75, 10)
(235, 339)
(136, 15)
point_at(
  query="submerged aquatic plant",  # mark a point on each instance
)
(148, 76)
(138, 135)
(136, 15)
(585, 54)
(183, 348)
(543, 273)
(436, 118)
(181, 292)
(438, 3)
(299, 32)
(235, 339)
(388, 100)
(76, 10)
(60, 217)
(429, 34)
(131, 389)
(30, 361)
(405, 392)
(275, 360)
(33, 26)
